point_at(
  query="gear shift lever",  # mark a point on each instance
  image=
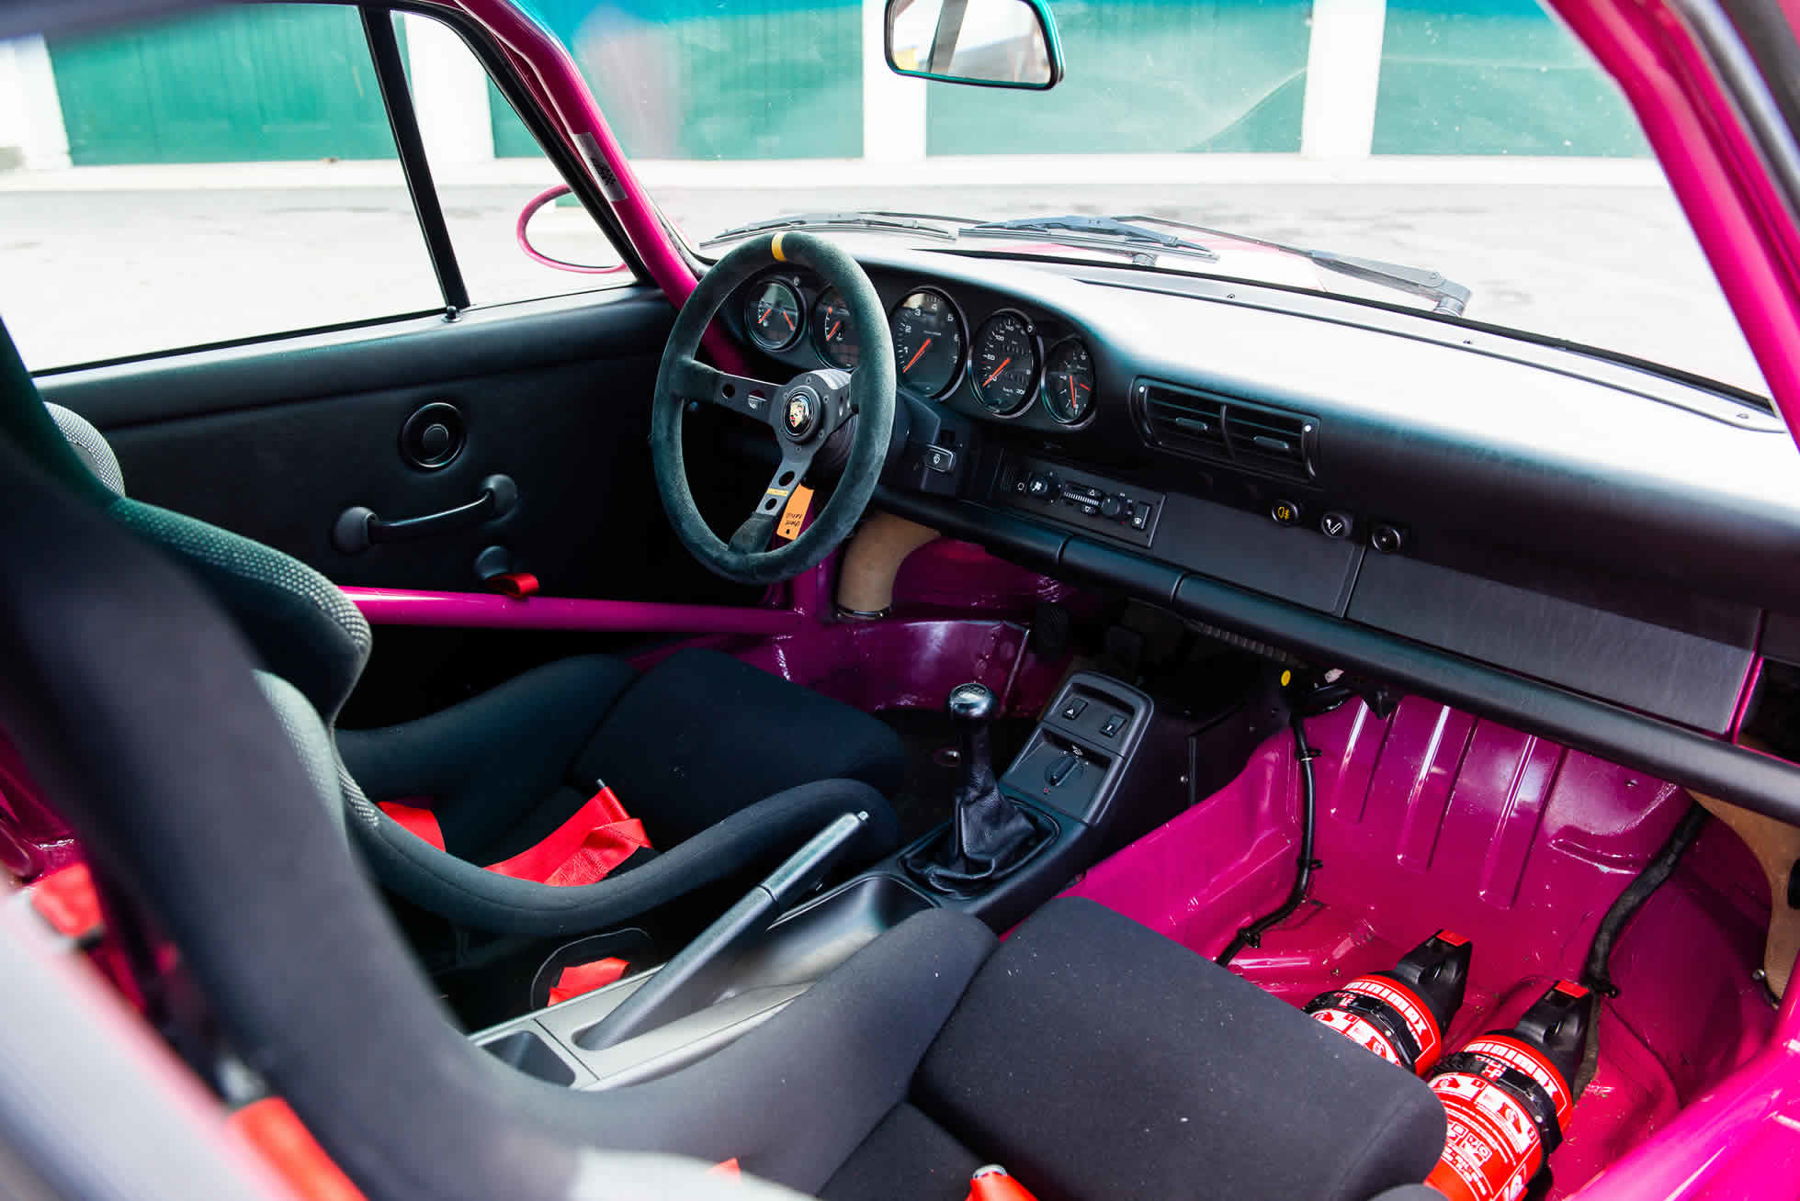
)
(989, 833)
(972, 707)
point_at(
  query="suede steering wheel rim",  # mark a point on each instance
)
(803, 414)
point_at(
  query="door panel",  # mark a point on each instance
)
(275, 441)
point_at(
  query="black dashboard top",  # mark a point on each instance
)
(1595, 525)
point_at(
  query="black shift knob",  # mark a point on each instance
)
(971, 702)
(989, 833)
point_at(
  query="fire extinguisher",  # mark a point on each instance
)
(992, 1183)
(1507, 1099)
(1402, 1015)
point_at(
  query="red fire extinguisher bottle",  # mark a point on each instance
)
(992, 1183)
(1507, 1099)
(1402, 1015)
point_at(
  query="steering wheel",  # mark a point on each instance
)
(804, 414)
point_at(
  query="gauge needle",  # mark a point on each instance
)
(787, 317)
(764, 319)
(832, 332)
(1072, 399)
(997, 371)
(925, 346)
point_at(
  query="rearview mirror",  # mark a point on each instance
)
(991, 43)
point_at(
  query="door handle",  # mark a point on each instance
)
(358, 528)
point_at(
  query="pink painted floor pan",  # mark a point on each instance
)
(1433, 819)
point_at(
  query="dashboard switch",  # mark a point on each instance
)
(1113, 725)
(940, 460)
(1286, 512)
(1040, 486)
(1073, 709)
(1388, 539)
(1140, 515)
(1112, 506)
(1336, 525)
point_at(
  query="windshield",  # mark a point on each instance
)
(1474, 138)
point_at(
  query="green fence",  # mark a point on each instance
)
(782, 79)
(281, 82)
(701, 79)
(1147, 77)
(1494, 77)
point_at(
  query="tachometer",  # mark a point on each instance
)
(1069, 382)
(833, 332)
(773, 316)
(928, 342)
(1005, 362)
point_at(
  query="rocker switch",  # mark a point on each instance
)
(1112, 726)
(1073, 709)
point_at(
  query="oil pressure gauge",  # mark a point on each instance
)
(1069, 382)
(774, 315)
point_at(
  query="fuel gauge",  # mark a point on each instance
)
(834, 334)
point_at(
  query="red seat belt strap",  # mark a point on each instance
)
(585, 849)
(418, 820)
(581, 978)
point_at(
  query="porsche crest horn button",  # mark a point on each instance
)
(800, 414)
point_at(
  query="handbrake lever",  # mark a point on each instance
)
(691, 980)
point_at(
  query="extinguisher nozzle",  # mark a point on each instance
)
(992, 1183)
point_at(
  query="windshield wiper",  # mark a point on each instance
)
(1447, 296)
(1104, 233)
(907, 223)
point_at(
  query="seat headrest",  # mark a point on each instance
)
(90, 446)
(304, 628)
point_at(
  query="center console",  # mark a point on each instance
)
(1101, 768)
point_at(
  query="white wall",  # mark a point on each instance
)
(31, 118)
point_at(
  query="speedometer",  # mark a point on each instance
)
(1005, 362)
(928, 342)
(1069, 382)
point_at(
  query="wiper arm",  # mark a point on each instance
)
(1107, 232)
(1447, 296)
(890, 222)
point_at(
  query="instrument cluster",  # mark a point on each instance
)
(1007, 365)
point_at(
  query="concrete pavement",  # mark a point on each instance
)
(108, 269)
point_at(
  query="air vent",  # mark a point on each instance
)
(1187, 422)
(1209, 426)
(1270, 440)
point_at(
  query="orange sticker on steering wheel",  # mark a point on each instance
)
(794, 516)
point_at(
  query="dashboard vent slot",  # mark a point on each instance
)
(1210, 426)
(1271, 441)
(1188, 422)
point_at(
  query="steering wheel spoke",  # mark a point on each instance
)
(695, 380)
(754, 534)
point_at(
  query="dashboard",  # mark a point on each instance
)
(973, 351)
(1366, 484)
